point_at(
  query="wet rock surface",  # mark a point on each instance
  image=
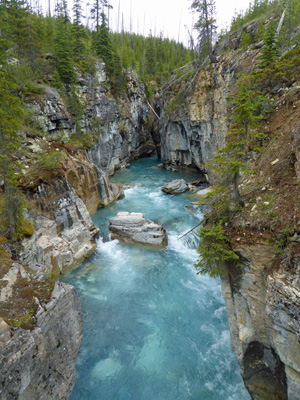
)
(134, 228)
(175, 187)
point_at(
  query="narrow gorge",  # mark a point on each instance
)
(41, 322)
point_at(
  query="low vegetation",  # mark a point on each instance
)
(255, 173)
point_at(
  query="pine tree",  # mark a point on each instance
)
(17, 25)
(270, 50)
(243, 134)
(205, 25)
(98, 9)
(12, 204)
(102, 46)
(150, 67)
(78, 31)
(62, 46)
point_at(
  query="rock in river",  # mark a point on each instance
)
(133, 228)
(175, 187)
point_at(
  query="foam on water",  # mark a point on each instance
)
(153, 329)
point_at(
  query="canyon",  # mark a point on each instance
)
(262, 295)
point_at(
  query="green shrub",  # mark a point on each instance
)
(282, 241)
(214, 251)
(246, 40)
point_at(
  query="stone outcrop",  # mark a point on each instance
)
(262, 304)
(120, 127)
(90, 183)
(39, 364)
(64, 234)
(125, 137)
(175, 187)
(133, 228)
(193, 127)
(191, 134)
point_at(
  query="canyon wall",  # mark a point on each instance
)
(40, 362)
(262, 296)
(263, 309)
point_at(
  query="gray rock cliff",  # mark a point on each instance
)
(39, 364)
(263, 314)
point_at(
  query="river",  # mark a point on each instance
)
(153, 329)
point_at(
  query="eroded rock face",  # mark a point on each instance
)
(64, 234)
(39, 364)
(125, 137)
(192, 133)
(120, 127)
(90, 183)
(133, 228)
(263, 314)
(175, 187)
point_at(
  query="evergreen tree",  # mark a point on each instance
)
(205, 25)
(17, 26)
(98, 9)
(243, 134)
(150, 67)
(270, 51)
(78, 31)
(62, 46)
(11, 110)
(102, 46)
(214, 250)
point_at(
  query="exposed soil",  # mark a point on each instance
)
(272, 211)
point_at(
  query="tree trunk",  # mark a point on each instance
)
(209, 37)
(236, 189)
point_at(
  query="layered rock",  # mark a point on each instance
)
(121, 129)
(125, 137)
(175, 187)
(194, 119)
(133, 228)
(64, 234)
(262, 304)
(191, 134)
(39, 364)
(90, 183)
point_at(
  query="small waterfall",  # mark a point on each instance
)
(191, 239)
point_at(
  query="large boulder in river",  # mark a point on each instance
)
(175, 187)
(134, 228)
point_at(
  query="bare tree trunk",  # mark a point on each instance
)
(236, 189)
(209, 36)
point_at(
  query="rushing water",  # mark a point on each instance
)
(153, 329)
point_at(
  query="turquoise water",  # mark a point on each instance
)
(153, 329)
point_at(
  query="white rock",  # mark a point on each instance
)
(133, 228)
(175, 187)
